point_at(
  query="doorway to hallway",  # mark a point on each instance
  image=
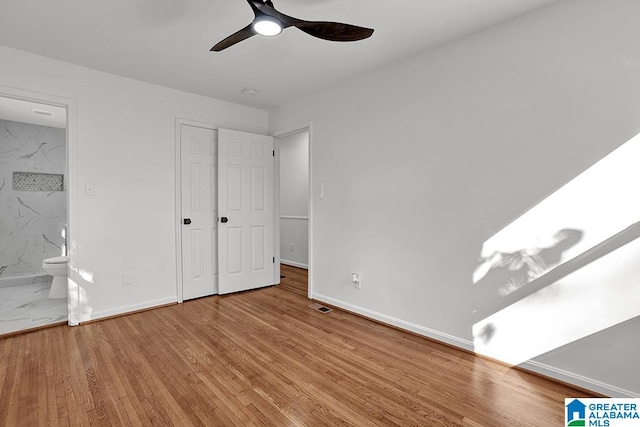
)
(294, 206)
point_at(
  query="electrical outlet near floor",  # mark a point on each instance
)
(127, 279)
(355, 279)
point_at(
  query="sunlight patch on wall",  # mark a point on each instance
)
(593, 298)
(564, 269)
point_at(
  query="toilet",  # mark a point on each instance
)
(57, 267)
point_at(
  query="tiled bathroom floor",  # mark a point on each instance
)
(28, 306)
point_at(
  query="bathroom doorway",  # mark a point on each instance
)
(33, 212)
(295, 209)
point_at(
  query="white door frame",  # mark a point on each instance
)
(178, 214)
(306, 127)
(73, 299)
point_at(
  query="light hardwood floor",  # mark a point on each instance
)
(260, 358)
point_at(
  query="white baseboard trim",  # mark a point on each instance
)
(540, 368)
(399, 323)
(294, 264)
(578, 380)
(124, 310)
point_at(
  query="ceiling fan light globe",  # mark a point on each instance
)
(267, 26)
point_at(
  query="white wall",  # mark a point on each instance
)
(125, 148)
(294, 199)
(422, 161)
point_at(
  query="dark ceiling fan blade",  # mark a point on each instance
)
(234, 38)
(333, 31)
(264, 10)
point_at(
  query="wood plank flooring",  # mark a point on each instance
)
(294, 280)
(259, 358)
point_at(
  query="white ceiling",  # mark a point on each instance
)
(167, 42)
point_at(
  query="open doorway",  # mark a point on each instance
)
(294, 209)
(34, 214)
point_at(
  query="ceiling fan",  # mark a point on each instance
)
(269, 22)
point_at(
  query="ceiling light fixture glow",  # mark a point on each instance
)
(267, 26)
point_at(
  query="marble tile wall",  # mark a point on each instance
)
(31, 222)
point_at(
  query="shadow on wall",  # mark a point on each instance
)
(508, 272)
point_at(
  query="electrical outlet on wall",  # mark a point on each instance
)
(290, 246)
(355, 279)
(127, 279)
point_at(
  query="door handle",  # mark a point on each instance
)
(186, 221)
(224, 219)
